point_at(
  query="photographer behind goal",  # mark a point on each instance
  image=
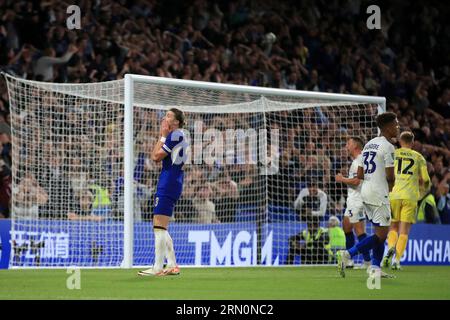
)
(311, 243)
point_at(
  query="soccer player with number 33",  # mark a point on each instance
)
(376, 170)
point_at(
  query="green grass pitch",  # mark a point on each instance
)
(413, 282)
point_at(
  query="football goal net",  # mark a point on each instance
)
(259, 174)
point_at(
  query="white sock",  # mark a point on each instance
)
(170, 252)
(160, 249)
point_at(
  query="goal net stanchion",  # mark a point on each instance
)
(252, 152)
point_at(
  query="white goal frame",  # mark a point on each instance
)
(131, 79)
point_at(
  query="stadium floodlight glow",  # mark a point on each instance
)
(83, 151)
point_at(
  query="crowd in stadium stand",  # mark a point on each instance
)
(305, 45)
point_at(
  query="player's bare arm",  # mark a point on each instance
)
(360, 175)
(353, 182)
(390, 177)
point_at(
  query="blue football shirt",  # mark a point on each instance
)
(170, 182)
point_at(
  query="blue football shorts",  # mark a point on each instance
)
(163, 205)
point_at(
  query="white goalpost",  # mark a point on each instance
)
(83, 182)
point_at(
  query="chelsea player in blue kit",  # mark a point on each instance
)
(171, 150)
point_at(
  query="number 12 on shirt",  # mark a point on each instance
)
(401, 170)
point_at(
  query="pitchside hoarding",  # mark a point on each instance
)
(64, 243)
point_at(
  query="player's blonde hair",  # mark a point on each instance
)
(358, 141)
(407, 137)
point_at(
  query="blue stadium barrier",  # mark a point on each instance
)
(282, 214)
(84, 243)
(246, 214)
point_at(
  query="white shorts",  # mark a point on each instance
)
(355, 213)
(378, 215)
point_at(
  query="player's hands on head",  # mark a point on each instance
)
(164, 130)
